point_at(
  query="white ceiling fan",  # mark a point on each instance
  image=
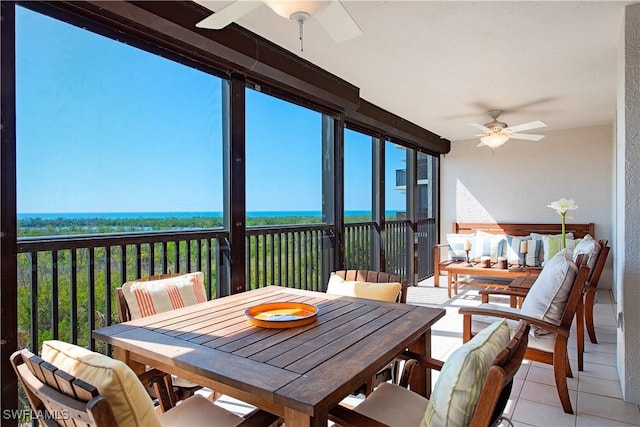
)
(496, 133)
(331, 15)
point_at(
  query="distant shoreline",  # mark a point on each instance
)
(138, 215)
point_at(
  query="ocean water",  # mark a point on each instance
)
(129, 215)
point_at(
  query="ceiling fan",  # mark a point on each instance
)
(496, 133)
(331, 15)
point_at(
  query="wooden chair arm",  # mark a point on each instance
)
(349, 418)
(259, 418)
(428, 362)
(470, 311)
(508, 292)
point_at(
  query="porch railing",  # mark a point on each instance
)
(66, 283)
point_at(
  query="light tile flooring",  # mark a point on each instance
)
(595, 392)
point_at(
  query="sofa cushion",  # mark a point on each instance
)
(550, 292)
(455, 395)
(115, 381)
(148, 297)
(456, 245)
(378, 291)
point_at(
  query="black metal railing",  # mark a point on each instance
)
(66, 283)
(294, 256)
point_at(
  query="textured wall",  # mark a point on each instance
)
(518, 182)
(627, 208)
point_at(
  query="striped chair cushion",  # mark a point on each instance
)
(148, 297)
(456, 393)
(513, 254)
(456, 245)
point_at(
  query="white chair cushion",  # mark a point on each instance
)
(198, 411)
(115, 381)
(589, 246)
(394, 406)
(455, 395)
(149, 297)
(548, 296)
(378, 291)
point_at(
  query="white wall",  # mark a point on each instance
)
(518, 181)
(627, 205)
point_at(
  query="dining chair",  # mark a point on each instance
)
(376, 285)
(591, 289)
(472, 389)
(549, 308)
(96, 390)
(156, 294)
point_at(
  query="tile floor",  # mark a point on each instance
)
(595, 392)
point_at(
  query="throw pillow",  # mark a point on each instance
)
(115, 381)
(538, 236)
(148, 297)
(550, 292)
(456, 246)
(455, 395)
(487, 244)
(378, 291)
(513, 254)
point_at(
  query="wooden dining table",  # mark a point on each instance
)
(298, 373)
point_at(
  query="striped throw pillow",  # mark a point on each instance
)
(487, 244)
(149, 297)
(513, 254)
(456, 393)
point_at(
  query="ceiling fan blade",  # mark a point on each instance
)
(481, 144)
(479, 126)
(228, 14)
(337, 21)
(527, 136)
(527, 126)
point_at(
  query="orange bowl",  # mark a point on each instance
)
(281, 314)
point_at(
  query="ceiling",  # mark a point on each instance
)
(444, 64)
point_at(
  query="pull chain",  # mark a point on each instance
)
(300, 17)
(301, 24)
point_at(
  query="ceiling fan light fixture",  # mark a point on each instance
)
(494, 140)
(287, 9)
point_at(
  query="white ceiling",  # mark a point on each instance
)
(444, 64)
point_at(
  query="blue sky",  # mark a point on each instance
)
(105, 127)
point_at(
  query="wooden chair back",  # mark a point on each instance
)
(375, 277)
(58, 398)
(497, 388)
(594, 277)
(590, 291)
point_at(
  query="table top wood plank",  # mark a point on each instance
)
(263, 337)
(291, 338)
(217, 322)
(333, 339)
(318, 385)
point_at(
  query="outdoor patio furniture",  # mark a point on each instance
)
(471, 390)
(549, 307)
(297, 372)
(156, 294)
(99, 391)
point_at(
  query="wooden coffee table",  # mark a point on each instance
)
(462, 268)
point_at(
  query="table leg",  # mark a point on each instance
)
(449, 283)
(421, 376)
(125, 356)
(298, 419)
